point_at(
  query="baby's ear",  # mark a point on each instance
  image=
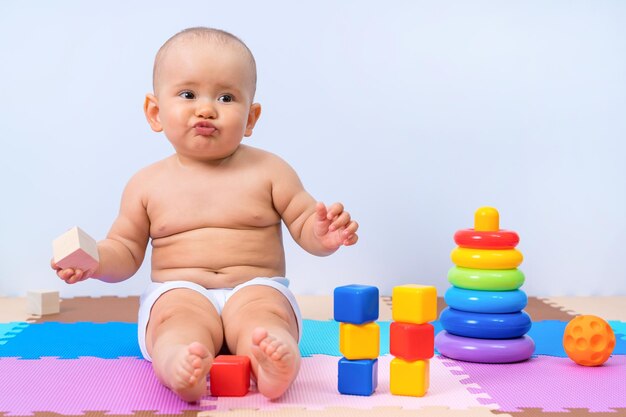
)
(151, 110)
(253, 117)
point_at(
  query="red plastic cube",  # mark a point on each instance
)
(230, 376)
(412, 342)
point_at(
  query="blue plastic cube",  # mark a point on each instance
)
(358, 377)
(356, 304)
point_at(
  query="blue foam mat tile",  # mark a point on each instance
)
(322, 337)
(72, 340)
(548, 337)
(113, 340)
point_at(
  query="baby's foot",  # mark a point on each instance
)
(279, 362)
(187, 371)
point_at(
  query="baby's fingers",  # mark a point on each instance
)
(334, 210)
(351, 228)
(65, 274)
(70, 275)
(351, 240)
(79, 275)
(341, 221)
(321, 212)
(349, 234)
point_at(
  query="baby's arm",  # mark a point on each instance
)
(124, 248)
(319, 229)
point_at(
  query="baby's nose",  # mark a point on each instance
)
(206, 109)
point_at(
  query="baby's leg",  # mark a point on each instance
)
(259, 322)
(183, 334)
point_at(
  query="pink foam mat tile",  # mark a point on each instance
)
(74, 386)
(549, 383)
(316, 388)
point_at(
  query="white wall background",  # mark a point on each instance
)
(412, 113)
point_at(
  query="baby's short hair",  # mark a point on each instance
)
(210, 35)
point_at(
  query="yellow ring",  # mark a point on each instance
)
(486, 259)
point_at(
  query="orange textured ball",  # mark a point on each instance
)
(588, 340)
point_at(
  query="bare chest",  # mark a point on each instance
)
(180, 203)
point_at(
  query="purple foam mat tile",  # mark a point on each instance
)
(549, 383)
(74, 386)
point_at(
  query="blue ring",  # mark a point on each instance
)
(485, 326)
(486, 301)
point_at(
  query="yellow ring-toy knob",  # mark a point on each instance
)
(487, 219)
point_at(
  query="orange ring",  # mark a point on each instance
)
(475, 239)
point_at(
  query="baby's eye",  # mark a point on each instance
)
(225, 98)
(188, 95)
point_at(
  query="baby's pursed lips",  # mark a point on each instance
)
(205, 124)
(204, 128)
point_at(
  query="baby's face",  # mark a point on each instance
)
(204, 92)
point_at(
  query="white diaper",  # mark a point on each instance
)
(217, 297)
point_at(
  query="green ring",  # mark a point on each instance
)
(486, 279)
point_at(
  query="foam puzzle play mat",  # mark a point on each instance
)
(85, 360)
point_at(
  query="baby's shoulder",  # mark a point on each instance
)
(256, 156)
(153, 173)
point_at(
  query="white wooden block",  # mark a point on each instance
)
(41, 303)
(75, 249)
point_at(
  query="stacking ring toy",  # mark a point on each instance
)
(485, 325)
(501, 239)
(486, 258)
(486, 301)
(484, 350)
(486, 279)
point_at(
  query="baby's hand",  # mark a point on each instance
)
(71, 275)
(334, 227)
(75, 256)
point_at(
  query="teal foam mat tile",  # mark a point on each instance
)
(10, 330)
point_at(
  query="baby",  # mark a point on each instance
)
(213, 211)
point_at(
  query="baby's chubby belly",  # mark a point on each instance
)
(217, 257)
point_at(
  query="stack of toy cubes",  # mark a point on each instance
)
(485, 304)
(356, 309)
(412, 338)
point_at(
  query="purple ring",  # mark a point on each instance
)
(484, 350)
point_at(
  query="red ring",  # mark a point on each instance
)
(502, 239)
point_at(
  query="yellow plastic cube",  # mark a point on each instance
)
(359, 341)
(414, 303)
(409, 378)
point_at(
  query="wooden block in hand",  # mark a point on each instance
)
(41, 303)
(76, 249)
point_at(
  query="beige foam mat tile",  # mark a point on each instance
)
(320, 307)
(13, 309)
(608, 308)
(95, 309)
(351, 412)
(539, 310)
